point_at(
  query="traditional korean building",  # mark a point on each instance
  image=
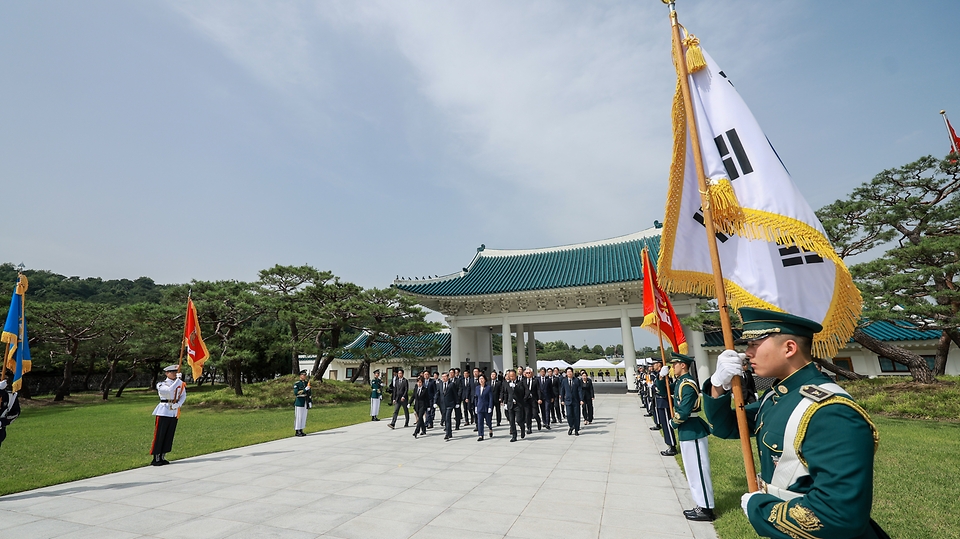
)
(590, 285)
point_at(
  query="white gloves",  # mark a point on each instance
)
(729, 364)
(745, 500)
(664, 371)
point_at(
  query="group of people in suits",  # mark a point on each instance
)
(473, 398)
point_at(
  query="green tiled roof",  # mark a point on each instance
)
(883, 331)
(616, 260)
(410, 346)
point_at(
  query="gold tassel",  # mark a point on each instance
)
(695, 60)
(727, 213)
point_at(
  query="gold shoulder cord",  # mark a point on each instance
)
(808, 415)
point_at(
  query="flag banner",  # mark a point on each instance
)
(773, 250)
(17, 350)
(196, 350)
(658, 314)
(954, 139)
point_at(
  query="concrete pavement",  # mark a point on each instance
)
(367, 481)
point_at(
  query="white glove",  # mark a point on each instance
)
(729, 364)
(664, 371)
(745, 501)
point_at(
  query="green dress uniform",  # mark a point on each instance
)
(301, 392)
(692, 432)
(816, 448)
(376, 395)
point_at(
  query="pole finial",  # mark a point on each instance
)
(943, 111)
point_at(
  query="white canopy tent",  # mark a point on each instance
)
(597, 364)
(554, 364)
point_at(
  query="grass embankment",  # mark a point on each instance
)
(915, 491)
(84, 437)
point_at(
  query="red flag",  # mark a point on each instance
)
(196, 350)
(954, 139)
(658, 313)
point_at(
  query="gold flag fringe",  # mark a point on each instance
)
(727, 213)
(846, 306)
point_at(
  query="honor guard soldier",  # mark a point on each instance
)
(376, 395)
(9, 409)
(303, 401)
(661, 408)
(816, 444)
(173, 393)
(693, 432)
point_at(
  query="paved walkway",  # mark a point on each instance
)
(367, 481)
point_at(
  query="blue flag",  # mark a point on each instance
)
(17, 355)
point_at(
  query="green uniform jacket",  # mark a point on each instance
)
(686, 402)
(836, 439)
(376, 388)
(301, 391)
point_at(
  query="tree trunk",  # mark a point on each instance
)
(133, 374)
(108, 379)
(294, 338)
(90, 368)
(237, 378)
(320, 366)
(362, 369)
(918, 366)
(943, 350)
(64, 389)
(839, 371)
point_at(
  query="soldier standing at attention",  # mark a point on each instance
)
(9, 409)
(693, 432)
(301, 390)
(173, 393)
(816, 444)
(376, 395)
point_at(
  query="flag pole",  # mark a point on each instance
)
(946, 125)
(183, 338)
(663, 359)
(691, 120)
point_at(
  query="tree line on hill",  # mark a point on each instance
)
(254, 330)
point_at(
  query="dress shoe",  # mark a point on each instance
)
(391, 425)
(474, 429)
(576, 433)
(156, 463)
(569, 432)
(514, 439)
(656, 427)
(491, 433)
(529, 431)
(414, 435)
(669, 452)
(647, 415)
(700, 514)
(539, 427)
(480, 438)
(548, 427)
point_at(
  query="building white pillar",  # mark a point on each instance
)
(696, 350)
(531, 349)
(629, 351)
(521, 349)
(454, 344)
(507, 346)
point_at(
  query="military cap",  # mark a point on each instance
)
(680, 358)
(303, 372)
(171, 368)
(760, 323)
(376, 371)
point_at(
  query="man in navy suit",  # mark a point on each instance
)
(431, 384)
(545, 399)
(496, 385)
(571, 391)
(513, 395)
(448, 392)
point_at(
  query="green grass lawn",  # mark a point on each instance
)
(54, 443)
(915, 481)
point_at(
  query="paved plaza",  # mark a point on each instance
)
(367, 481)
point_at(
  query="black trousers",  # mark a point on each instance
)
(515, 417)
(544, 409)
(573, 416)
(557, 410)
(469, 413)
(396, 411)
(163, 431)
(421, 426)
(496, 407)
(588, 410)
(530, 413)
(663, 419)
(3, 435)
(458, 414)
(447, 421)
(431, 412)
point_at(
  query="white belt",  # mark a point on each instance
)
(781, 493)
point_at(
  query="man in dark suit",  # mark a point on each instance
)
(448, 392)
(430, 382)
(556, 410)
(514, 394)
(421, 401)
(496, 386)
(457, 380)
(398, 391)
(530, 406)
(571, 392)
(468, 387)
(545, 399)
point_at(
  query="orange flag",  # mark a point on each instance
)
(196, 350)
(658, 314)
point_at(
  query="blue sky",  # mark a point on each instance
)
(209, 140)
